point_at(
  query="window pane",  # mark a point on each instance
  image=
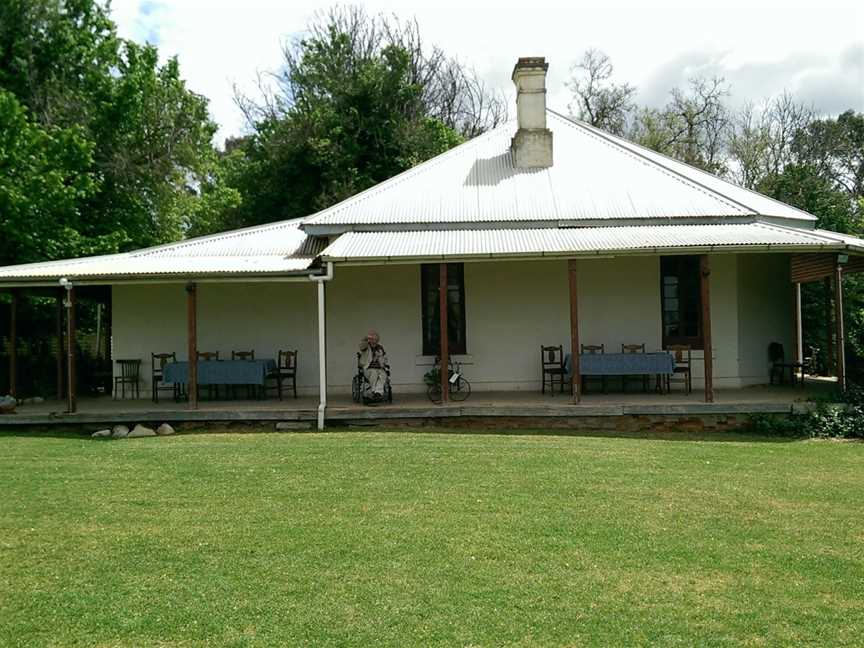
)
(681, 300)
(430, 282)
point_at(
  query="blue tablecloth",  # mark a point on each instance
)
(221, 372)
(622, 364)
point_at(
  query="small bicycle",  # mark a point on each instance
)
(459, 387)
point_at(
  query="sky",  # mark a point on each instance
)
(814, 50)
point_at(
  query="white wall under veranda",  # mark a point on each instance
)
(765, 308)
(263, 317)
(512, 308)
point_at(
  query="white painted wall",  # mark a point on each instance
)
(264, 317)
(512, 308)
(765, 305)
(384, 298)
(723, 288)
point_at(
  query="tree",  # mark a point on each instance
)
(836, 148)
(596, 100)
(154, 149)
(353, 107)
(148, 137)
(692, 127)
(448, 91)
(45, 175)
(761, 141)
(56, 57)
(806, 187)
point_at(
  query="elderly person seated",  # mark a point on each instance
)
(373, 359)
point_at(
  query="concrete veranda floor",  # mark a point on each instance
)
(414, 405)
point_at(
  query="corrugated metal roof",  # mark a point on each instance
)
(434, 244)
(595, 176)
(278, 248)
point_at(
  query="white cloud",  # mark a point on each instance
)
(761, 49)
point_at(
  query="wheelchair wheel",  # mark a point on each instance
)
(460, 390)
(356, 389)
(434, 393)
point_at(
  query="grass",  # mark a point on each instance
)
(360, 539)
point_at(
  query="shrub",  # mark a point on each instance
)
(843, 420)
(790, 425)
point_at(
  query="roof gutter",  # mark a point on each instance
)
(602, 254)
(302, 276)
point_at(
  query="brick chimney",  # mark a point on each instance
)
(532, 144)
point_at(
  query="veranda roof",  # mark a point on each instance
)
(275, 249)
(595, 176)
(582, 241)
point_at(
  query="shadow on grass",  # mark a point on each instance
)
(688, 437)
(742, 435)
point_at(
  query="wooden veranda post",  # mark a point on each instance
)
(705, 291)
(838, 318)
(576, 375)
(58, 332)
(192, 339)
(13, 344)
(71, 395)
(829, 333)
(799, 332)
(444, 329)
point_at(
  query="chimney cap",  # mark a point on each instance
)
(530, 63)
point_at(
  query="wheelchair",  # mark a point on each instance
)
(361, 388)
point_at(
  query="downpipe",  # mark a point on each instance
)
(322, 342)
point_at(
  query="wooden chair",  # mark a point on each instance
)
(682, 356)
(157, 368)
(593, 349)
(130, 374)
(209, 356)
(242, 355)
(552, 366)
(286, 369)
(779, 366)
(633, 348)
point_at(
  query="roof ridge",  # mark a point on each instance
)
(407, 173)
(198, 240)
(614, 141)
(625, 144)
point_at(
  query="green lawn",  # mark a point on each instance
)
(427, 539)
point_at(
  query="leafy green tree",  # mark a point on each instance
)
(347, 119)
(836, 148)
(692, 127)
(148, 137)
(808, 188)
(46, 174)
(805, 187)
(56, 57)
(154, 149)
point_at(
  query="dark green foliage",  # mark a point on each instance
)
(154, 149)
(350, 115)
(844, 420)
(103, 148)
(825, 181)
(782, 425)
(46, 174)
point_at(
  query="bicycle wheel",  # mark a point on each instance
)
(434, 393)
(460, 391)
